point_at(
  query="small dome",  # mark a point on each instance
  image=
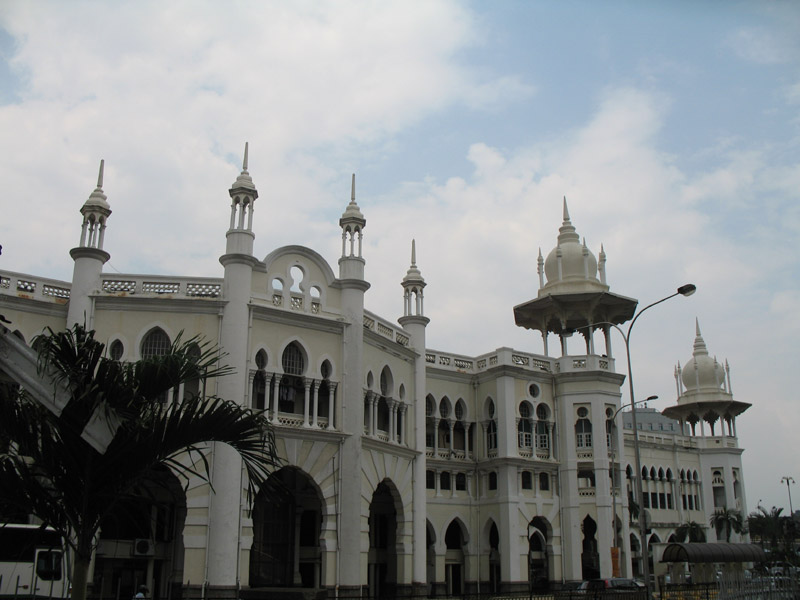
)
(244, 180)
(97, 199)
(702, 371)
(352, 214)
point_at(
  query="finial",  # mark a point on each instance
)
(697, 326)
(100, 174)
(244, 163)
(566, 210)
(353, 190)
(413, 253)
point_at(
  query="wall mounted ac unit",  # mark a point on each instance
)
(143, 547)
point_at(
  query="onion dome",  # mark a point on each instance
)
(702, 371)
(571, 266)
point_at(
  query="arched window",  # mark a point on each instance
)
(492, 480)
(527, 480)
(461, 482)
(525, 433)
(430, 479)
(291, 394)
(116, 350)
(491, 436)
(542, 427)
(292, 360)
(155, 343)
(444, 480)
(544, 482)
(259, 397)
(583, 433)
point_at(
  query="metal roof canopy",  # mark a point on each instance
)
(713, 553)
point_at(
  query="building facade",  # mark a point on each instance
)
(409, 470)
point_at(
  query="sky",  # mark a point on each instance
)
(672, 128)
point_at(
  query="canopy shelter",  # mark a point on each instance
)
(713, 553)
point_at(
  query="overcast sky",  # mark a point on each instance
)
(673, 129)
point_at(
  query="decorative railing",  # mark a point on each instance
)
(149, 285)
(38, 288)
(586, 492)
(384, 328)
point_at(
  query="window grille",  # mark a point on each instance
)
(292, 360)
(156, 343)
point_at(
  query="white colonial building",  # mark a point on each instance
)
(411, 470)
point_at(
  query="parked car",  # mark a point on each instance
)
(613, 583)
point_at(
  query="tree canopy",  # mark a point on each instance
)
(48, 470)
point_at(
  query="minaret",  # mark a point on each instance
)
(223, 552)
(89, 256)
(353, 286)
(414, 322)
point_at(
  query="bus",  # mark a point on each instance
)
(33, 562)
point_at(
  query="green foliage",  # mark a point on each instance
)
(728, 520)
(47, 469)
(693, 532)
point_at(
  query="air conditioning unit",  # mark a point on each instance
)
(143, 547)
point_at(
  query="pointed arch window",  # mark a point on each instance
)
(491, 436)
(291, 395)
(155, 343)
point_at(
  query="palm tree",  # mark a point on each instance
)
(48, 470)
(692, 530)
(728, 520)
(766, 525)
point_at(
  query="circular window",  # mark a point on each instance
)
(491, 410)
(609, 412)
(583, 412)
(533, 390)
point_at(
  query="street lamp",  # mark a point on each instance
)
(788, 479)
(614, 470)
(684, 290)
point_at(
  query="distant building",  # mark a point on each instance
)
(410, 469)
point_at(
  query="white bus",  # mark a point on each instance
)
(33, 562)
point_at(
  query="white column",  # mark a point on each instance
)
(331, 390)
(315, 410)
(307, 383)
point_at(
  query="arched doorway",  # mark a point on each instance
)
(539, 566)
(141, 541)
(382, 575)
(454, 559)
(287, 518)
(494, 559)
(590, 557)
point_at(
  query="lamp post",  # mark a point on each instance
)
(684, 290)
(614, 470)
(788, 480)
